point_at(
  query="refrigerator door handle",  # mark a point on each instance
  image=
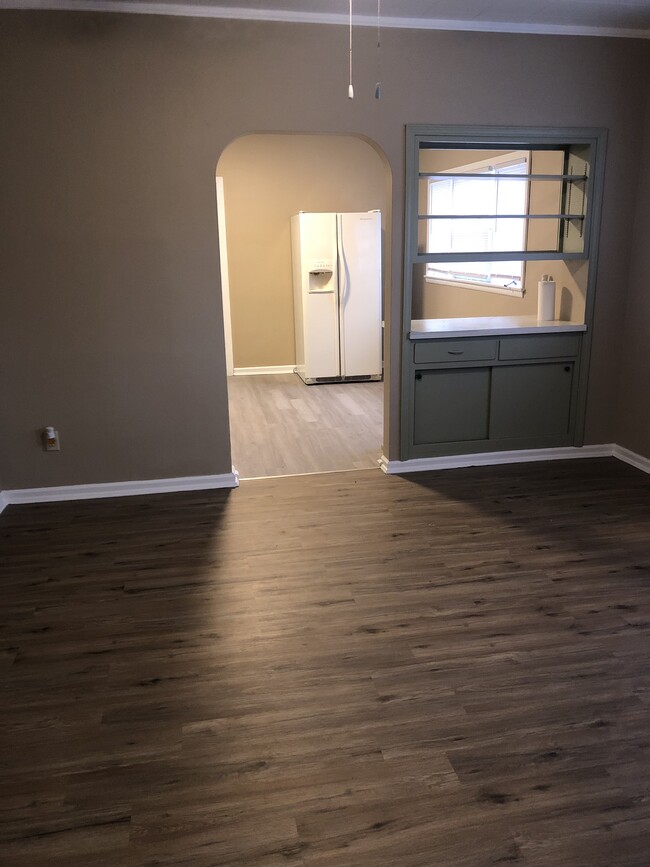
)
(344, 289)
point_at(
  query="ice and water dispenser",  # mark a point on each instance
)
(321, 276)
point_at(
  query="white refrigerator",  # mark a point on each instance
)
(337, 296)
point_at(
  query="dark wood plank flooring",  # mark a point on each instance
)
(347, 669)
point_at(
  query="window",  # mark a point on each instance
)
(496, 192)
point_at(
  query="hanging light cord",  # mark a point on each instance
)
(378, 85)
(350, 88)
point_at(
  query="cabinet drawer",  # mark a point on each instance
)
(547, 346)
(434, 351)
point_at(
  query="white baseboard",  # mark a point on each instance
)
(483, 459)
(119, 489)
(257, 371)
(632, 458)
(231, 480)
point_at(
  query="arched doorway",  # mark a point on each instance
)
(279, 426)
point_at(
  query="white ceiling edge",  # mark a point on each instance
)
(235, 12)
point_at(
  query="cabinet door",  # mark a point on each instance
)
(531, 400)
(451, 405)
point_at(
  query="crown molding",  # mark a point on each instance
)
(194, 10)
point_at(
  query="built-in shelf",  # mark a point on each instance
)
(501, 216)
(491, 383)
(500, 256)
(486, 326)
(503, 177)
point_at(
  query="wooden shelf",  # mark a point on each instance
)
(488, 176)
(504, 255)
(501, 217)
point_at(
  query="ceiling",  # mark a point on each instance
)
(630, 18)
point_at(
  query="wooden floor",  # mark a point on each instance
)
(350, 670)
(280, 426)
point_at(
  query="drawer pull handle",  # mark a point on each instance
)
(455, 351)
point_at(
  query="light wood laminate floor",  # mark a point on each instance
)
(343, 670)
(280, 426)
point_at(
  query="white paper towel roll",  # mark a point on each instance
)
(546, 299)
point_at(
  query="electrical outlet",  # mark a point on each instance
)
(51, 442)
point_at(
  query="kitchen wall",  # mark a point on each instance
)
(268, 179)
(633, 430)
(442, 301)
(112, 127)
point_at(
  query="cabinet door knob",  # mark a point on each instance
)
(418, 376)
(568, 368)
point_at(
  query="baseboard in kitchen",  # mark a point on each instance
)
(263, 371)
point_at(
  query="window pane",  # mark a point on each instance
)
(498, 192)
(485, 195)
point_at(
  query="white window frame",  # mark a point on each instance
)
(497, 288)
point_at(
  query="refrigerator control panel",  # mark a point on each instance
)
(321, 266)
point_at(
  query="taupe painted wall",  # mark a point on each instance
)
(268, 179)
(112, 126)
(633, 431)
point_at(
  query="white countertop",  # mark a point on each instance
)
(480, 326)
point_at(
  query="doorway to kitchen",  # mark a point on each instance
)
(279, 424)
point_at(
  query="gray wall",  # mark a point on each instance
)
(633, 431)
(111, 130)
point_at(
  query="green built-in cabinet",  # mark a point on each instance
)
(467, 393)
(486, 394)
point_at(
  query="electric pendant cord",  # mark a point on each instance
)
(378, 85)
(350, 87)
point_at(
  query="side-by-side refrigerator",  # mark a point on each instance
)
(337, 296)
